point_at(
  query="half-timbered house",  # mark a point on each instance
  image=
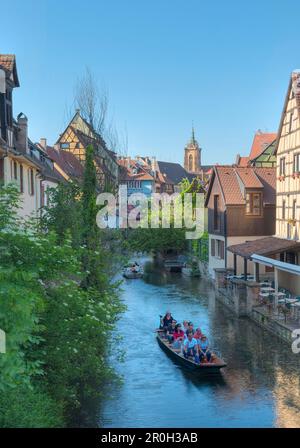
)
(77, 137)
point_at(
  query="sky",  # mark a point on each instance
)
(221, 66)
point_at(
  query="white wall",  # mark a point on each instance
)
(29, 203)
(215, 262)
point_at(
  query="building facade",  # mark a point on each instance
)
(241, 207)
(75, 139)
(21, 162)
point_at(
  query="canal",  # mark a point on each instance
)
(259, 388)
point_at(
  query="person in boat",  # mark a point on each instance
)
(171, 330)
(204, 352)
(178, 336)
(190, 347)
(166, 320)
(198, 334)
(190, 328)
(134, 267)
(185, 326)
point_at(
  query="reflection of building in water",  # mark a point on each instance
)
(287, 399)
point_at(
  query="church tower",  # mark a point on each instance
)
(192, 155)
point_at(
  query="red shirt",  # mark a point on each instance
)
(180, 334)
(197, 335)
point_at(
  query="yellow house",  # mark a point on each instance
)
(75, 139)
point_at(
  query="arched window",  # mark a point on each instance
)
(191, 162)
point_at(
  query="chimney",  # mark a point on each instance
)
(43, 143)
(22, 140)
(154, 164)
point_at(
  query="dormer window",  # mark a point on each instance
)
(253, 204)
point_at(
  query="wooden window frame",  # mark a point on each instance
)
(31, 182)
(213, 247)
(21, 179)
(290, 121)
(216, 220)
(294, 211)
(296, 163)
(283, 209)
(282, 166)
(15, 170)
(250, 203)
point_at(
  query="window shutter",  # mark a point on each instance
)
(21, 179)
(212, 247)
(222, 247)
(42, 194)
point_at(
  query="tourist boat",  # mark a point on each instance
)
(176, 354)
(133, 272)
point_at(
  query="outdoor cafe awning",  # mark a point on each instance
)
(281, 265)
(264, 246)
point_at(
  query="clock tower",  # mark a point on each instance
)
(192, 155)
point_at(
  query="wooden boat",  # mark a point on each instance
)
(128, 273)
(176, 354)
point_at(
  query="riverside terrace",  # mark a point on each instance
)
(264, 296)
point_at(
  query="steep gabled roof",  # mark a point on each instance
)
(127, 173)
(260, 141)
(248, 177)
(293, 89)
(174, 171)
(86, 134)
(233, 180)
(66, 161)
(8, 63)
(267, 155)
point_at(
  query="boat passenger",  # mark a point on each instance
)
(185, 326)
(166, 320)
(198, 334)
(171, 330)
(178, 336)
(190, 347)
(204, 352)
(190, 328)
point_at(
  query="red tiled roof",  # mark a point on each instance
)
(248, 177)
(66, 161)
(229, 185)
(263, 246)
(260, 142)
(242, 161)
(7, 61)
(267, 176)
(231, 180)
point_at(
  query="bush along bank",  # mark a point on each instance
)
(58, 307)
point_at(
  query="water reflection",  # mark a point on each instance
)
(259, 388)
